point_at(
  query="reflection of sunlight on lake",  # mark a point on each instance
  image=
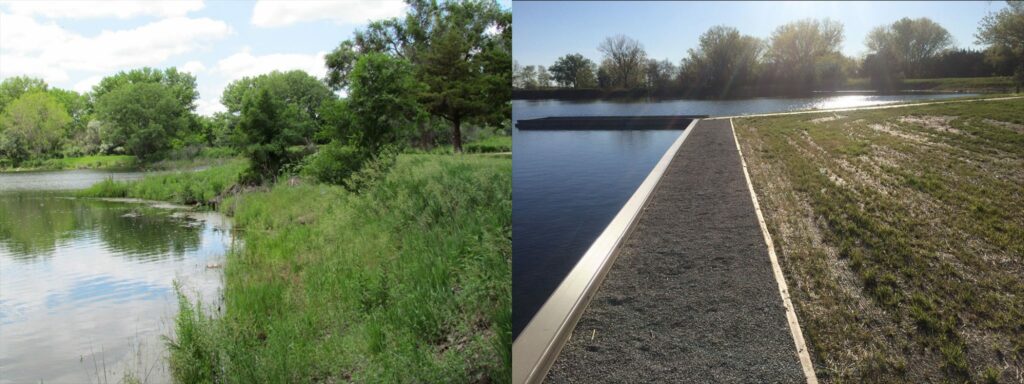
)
(850, 101)
(531, 109)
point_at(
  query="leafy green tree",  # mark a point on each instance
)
(32, 126)
(587, 78)
(79, 108)
(13, 87)
(142, 118)
(1003, 32)
(574, 70)
(910, 42)
(724, 61)
(221, 129)
(182, 85)
(340, 61)
(381, 104)
(293, 89)
(265, 134)
(461, 50)
(804, 53)
(466, 69)
(624, 59)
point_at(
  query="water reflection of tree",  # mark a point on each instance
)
(147, 234)
(32, 226)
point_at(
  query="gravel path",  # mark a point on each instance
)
(691, 297)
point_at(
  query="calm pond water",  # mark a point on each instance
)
(569, 184)
(87, 286)
(58, 180)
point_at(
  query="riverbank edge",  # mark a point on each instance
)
(233, 199)
(856, 86)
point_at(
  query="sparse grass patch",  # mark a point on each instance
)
(905, 245)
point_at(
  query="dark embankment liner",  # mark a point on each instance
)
(617, 123)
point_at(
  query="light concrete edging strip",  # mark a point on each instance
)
(540, 342)
(794, 324)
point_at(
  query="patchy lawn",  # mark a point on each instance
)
(901, 234)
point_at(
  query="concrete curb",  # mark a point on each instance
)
(541, 341)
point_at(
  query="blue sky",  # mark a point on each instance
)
(544, 31)
(74, 44)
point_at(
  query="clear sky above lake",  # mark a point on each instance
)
(74, 44)
(544, 31)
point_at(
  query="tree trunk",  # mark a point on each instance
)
(457, 135)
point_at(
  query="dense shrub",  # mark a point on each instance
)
(334, 163)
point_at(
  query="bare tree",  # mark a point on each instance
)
(659, 74)
(798, 51)
(528, 77)
(517, 75)
(723, 61)
(1003, 32)
(910, 42)
(543, 77)
(625, 58)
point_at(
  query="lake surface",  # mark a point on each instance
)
(568, 185)
(61, 180)
(87, 286)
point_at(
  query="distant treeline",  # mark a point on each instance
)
(419, 80)
(798, 58)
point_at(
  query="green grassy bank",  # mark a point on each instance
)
(493, 144)
(998, 84)
(183, 187)
(408, 280)
(901, 235)
(81, 162)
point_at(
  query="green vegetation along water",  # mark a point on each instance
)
(87, 286)
(900, 232)
(406, 280)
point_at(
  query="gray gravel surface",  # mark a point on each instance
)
(691, 297)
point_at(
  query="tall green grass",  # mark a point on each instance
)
(408, 280)
(183, 187)
(490, 145)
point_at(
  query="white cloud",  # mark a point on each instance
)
(100, 9)
(86, 84)
(207, 106)
(50, 51)
(271, 13)
(244, 64)
(193, 67)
